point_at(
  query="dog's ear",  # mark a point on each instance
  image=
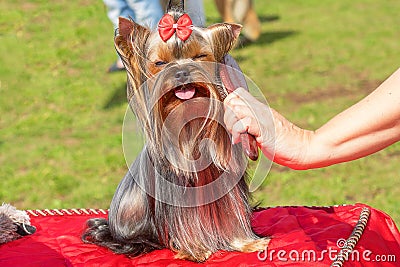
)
(131, 37)
(125, 26)
(223, 38)
(130, 44)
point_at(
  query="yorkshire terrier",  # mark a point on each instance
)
(187, 189)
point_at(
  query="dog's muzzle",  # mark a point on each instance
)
(183, 78)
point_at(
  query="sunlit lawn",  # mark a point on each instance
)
(61, 113)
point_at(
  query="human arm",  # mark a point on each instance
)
(365, 128)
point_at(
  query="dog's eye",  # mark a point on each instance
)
(200, 56)
(160, 63)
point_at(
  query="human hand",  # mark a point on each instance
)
(245, 114)
(278, 139)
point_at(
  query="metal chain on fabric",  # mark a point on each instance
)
(351, 242)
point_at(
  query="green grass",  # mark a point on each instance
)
(61, 114)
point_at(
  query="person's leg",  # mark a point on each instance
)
(195, 9)
(118, 8)
(147, 12)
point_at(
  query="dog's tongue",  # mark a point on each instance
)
(185, 93)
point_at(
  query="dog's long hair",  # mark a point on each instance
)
(186, 190)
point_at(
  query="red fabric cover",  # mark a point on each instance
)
(57, 241)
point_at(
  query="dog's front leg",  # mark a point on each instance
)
(130, 217)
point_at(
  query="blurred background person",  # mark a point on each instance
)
(144, 12)
(241, 12)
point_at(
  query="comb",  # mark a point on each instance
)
(232, 77)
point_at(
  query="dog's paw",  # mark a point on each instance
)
(199, 257)
(251, 245)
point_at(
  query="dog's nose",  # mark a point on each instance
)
(182, 75)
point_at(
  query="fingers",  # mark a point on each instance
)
(229, 119)
(239, 93)
(239, 127)
(243, 94)
(236, 126)
(239, 116)
(237, 104)
(241, 102)
(235, 109)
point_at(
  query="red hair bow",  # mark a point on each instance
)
(167, 27)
